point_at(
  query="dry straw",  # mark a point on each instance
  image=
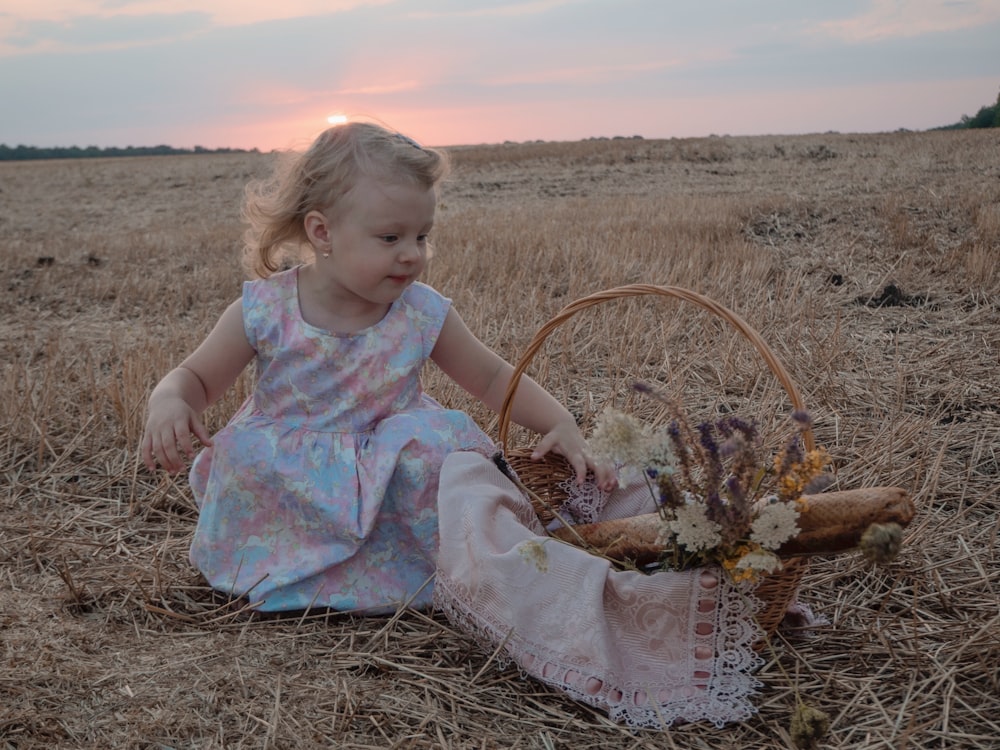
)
(109, 639)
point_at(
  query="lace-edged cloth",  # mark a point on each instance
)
(649, 650)
(584, 503)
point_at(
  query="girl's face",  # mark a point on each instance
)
(376, 240)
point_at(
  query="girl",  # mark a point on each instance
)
(322, 489)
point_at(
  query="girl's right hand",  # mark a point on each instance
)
(177, 402)
(566, 439)
(168, 435)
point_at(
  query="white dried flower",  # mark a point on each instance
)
(693, 528)
(760, 561)
(660, 456)
(619, 438)
(775, 524)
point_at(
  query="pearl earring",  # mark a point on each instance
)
(325, 255)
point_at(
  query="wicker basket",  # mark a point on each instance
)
(545, 478)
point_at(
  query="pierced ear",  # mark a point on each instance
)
(318, 231)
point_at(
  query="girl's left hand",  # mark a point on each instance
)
(567, 440)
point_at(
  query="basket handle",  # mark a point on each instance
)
(638, 290)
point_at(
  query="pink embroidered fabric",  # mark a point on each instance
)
(649, 650)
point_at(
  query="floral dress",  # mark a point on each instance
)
(322, 489)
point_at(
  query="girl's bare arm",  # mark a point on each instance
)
(485, 375)
(180, 398)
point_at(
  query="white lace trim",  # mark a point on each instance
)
(718, 689)
(584, 503)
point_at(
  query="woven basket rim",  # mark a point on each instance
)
(637, 290)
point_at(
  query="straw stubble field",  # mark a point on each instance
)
(869, 263)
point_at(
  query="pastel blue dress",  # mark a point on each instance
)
(321, 491)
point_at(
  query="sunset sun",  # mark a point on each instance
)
(337, 119)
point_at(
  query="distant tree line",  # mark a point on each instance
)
(23, 153)
(986, 117)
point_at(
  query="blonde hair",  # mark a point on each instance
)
(318, 179)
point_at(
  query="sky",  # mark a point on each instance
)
(268, 74)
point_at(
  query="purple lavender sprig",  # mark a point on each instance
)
(670, 495)
(741, 448)
(791, 454)
(682, 450)
(743, 445)
(711, 464)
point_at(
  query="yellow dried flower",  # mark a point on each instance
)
(731, 560)
(790, 486)
(735, 573)
(533, 551)
(808, 726)
(796, 476)
(881, 542)
(739, 575)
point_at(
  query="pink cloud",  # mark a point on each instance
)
(909, 18)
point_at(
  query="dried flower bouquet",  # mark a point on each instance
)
(719, 501)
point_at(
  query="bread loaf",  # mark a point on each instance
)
(831, 522)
